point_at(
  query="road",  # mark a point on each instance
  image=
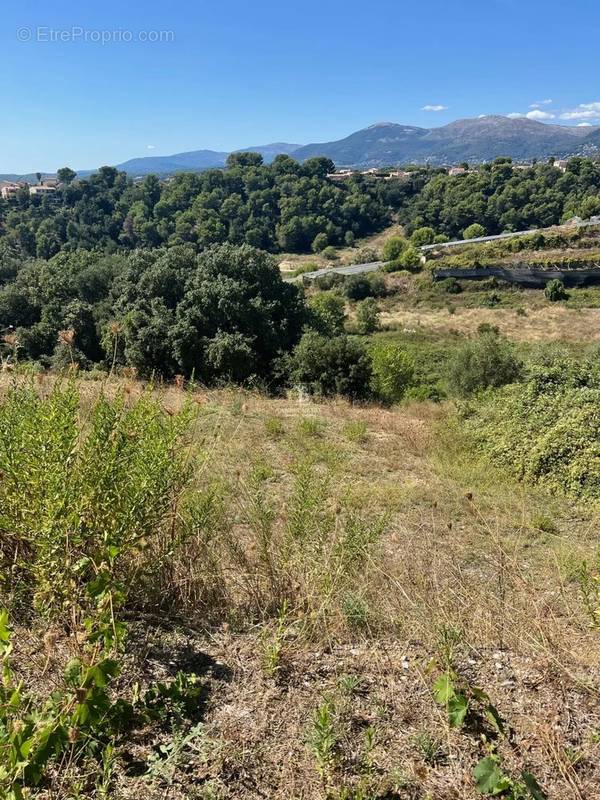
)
(372, 266)
(352, 269)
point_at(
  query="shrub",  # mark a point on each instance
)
(365, 255)
(547, 429)
(555, 291)
(359, 287)
(328, 313)
(479, 363)
(450, 286)
(410, 260)
(331, 366)
(422, 236)
(330, 253)
(320, 242)
(367, 316)
(474, 231)
(393, 371)
(393, 248)
(329, 280)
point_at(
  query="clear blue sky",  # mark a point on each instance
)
(244, 72)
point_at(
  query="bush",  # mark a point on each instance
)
(393, 248)
(330, 253)
(328, 313)
(423, 236)
(474, 231)
(450, 286)
(359, 287)
(410, 260)
(326, 367)
(365, 255)
(320, 242)
(393, 371)
(480, 363)
(555, 291)
(367, 316)
(547, 430)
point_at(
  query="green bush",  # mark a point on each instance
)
(320, 242)
(325, 366)
(328, 313)
(410, 260)
(480, 363)
(393, 248)
(422, 236)
(547, 430)
(555, 291)
(450, 286)
(474, 231)
(393, 371)
(359, 287)
(367, 316)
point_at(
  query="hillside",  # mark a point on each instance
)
(474, 140)
(307, 577)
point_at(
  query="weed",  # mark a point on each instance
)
(323, 740)
(356, 431)
(589, 584)
(273, 643)
(429, 747)
(350, 684)
(541, 522)
(311, 427)
(356, 611)
(274, 428)
(492, 780)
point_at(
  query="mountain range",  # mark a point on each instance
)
(389, 143)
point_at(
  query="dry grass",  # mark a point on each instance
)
(548, 323)
(462, 549)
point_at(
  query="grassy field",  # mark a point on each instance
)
(321, 569)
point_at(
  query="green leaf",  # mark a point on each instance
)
(73, 671)
(443, 689)
(457, 710)
(4, 629)
(489, 777)
(493, 716)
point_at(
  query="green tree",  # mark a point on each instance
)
(393, 248)
(320, 242)
(488, 360)
(422, 236)
(326, 366)
(328, 313)
(393, 371)
(367, 316)
(474, 231)
(66, 175)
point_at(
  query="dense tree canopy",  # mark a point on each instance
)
(285, 206)
(500, 198)
(222, 314)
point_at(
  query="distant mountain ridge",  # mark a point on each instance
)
(390, 143)
(474, 140)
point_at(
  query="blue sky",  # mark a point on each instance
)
(230, 74)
